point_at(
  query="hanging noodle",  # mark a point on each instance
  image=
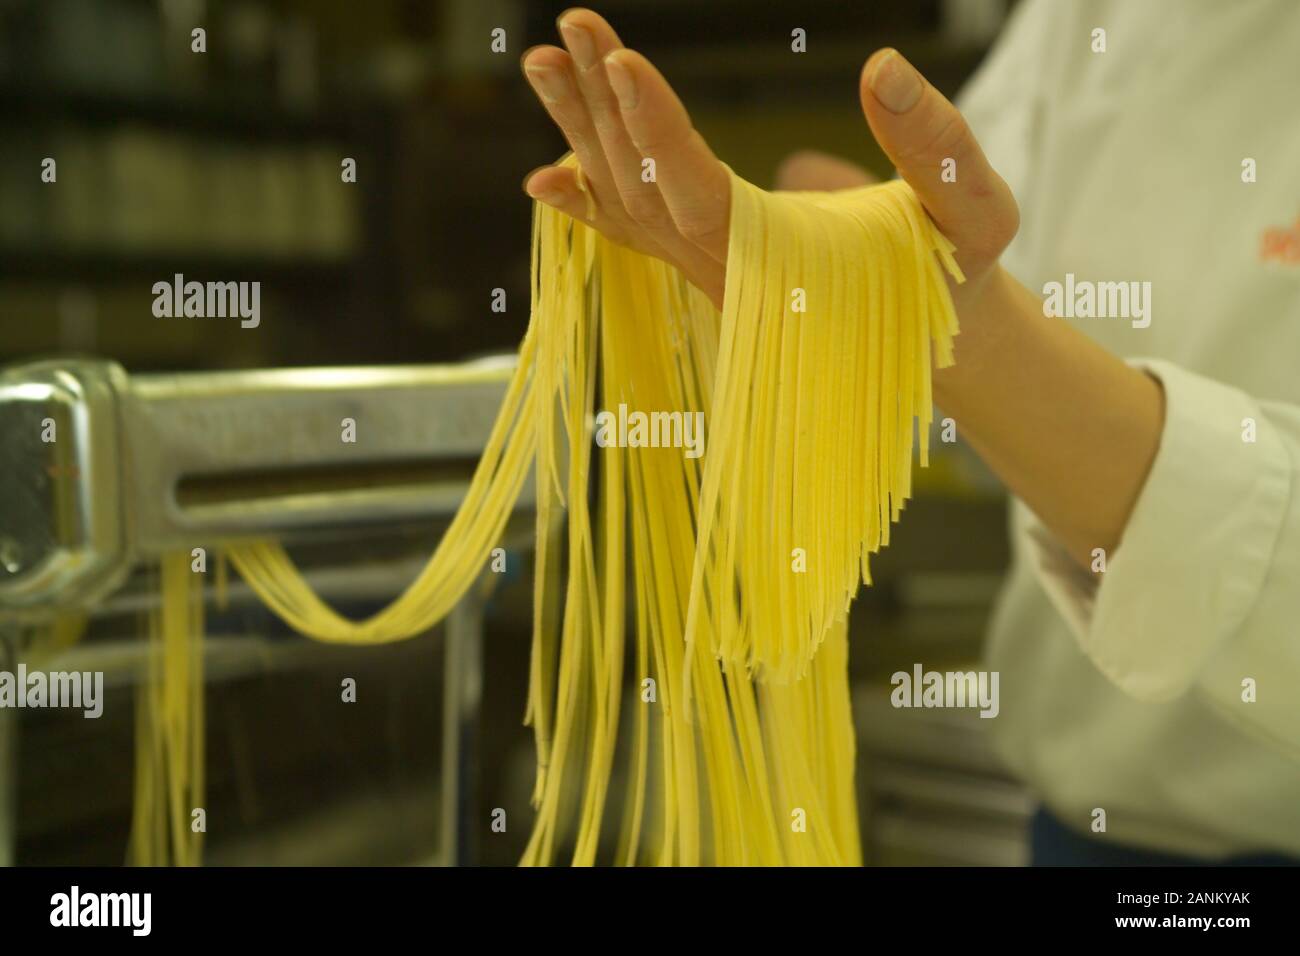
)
(743, 562)
(169, 768)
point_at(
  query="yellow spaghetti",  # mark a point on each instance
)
(742, 563)
(169, 769)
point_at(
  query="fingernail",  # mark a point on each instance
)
(581, 46)
(896, 83)
(621, 81)
(549, 82)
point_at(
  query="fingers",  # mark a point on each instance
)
(557, 186)
(550, 72)
(655, 184)
(590, 40)
(695, 186)
(920, 130)
(809, 169)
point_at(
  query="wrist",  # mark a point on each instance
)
(991, 308)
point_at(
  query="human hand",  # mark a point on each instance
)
(615, 109)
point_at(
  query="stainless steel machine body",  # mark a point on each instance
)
(103, 471)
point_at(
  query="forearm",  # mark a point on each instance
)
(1070, 429)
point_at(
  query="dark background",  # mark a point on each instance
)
(225, 165)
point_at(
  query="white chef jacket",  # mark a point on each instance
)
(1123, 690)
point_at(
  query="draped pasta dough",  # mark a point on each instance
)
(742, 563)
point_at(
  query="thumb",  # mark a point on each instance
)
(919, 129)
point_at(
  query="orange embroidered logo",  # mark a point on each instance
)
(1281, 244)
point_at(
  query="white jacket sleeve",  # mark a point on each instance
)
(1203, 592)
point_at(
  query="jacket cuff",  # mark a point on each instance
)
(1197, 548)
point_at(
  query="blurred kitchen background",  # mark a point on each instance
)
(226, 165)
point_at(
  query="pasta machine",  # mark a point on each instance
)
(103, 471)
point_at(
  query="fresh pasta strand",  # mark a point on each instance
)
(743, 561)
(169, 766)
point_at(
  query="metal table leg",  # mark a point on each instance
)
(462, 695)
